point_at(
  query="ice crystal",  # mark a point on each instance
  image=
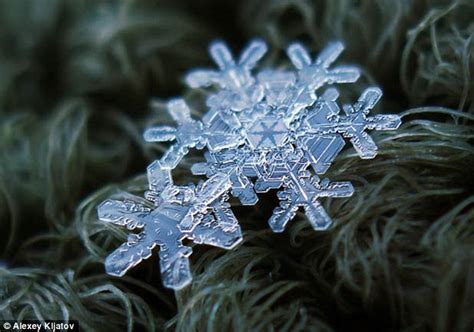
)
(262, 131)
(169, 215)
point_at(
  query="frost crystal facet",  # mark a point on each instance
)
(262, 131)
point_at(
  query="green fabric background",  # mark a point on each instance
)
(76, 82)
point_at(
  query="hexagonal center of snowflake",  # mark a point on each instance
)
(267, 133)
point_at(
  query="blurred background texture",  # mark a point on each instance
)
(76, 82)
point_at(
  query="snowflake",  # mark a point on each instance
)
(169, 215)
(268, 130)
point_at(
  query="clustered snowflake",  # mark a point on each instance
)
(263, 131)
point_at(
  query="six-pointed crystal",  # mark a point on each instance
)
(272, 130)
(170, 215)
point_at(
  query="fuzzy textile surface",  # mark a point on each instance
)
(76, 82)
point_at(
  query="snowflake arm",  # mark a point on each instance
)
(239, 90)
(158, 177)
(205, 194)
(137, 247)
(126, 213)
(131, 253)
(305, 193)
(188, 134)
(232, 75)
(222, 130)
(311, 76)
(315, 74)
(221, 230)
(231, 163)
(356, 121)
(325, 119)
(174, 265)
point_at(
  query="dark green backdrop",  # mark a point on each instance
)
(76, 81)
